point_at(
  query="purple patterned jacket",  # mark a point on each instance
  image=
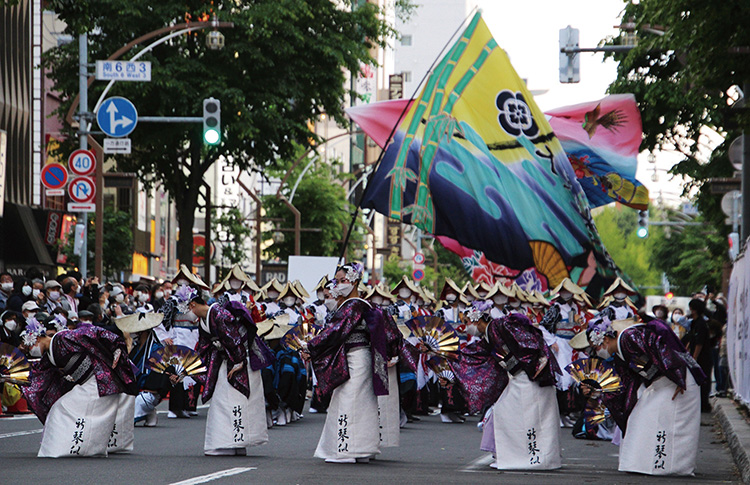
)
(328, 349)
(78, 354)
(512, 344)
(232, 335)
(647, 352)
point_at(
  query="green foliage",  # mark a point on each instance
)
(680, 80)
(232, 231)
(117, 246)
(617, 226)
(321, 200)
(448, 266)
(284, 63)
(688, 258)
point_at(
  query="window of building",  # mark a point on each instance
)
(407, 76)
(406, 40)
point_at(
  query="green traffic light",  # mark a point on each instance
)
(211, 137)
(642, 232)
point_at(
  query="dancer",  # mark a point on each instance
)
(514, 368)
(234, 355)
(76, 387)
(350, 360)
(658, 408)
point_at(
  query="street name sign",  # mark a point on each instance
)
(123, 71)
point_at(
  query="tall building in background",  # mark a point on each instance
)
(424, 35)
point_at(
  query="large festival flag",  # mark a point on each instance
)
(475, 160)
(602, 139)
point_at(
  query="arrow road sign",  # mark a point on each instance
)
(117, 117)
(82, 189)
(54, 176)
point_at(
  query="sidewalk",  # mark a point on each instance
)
(737, 432)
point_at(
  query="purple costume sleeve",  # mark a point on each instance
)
(526, 348)
(48, 384)
(328, 353)
(479, 375)
(650, 351)
(226, 340)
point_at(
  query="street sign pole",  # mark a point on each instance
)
(83, 107)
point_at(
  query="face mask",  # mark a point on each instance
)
(603, 353)
(35, 351)
(7, 287)
(54, 295)
(143, 298)
(378, 300)
(167, 293)
(404, 293)
(159, 294)
(500, 299)
(181, 282)
(272, 295)
(451, 297)
(206, 295)
(11, 325)
(461, 307)
(482, 294)
(330, 303)
(566, 295)
(289, 301)
(120, 298)
(515, 304)
(659, 313)
(342, 289)
(472, 330)
(235, 284)
(26, 290)
(620, 295)
(321, 295)
(35, 293)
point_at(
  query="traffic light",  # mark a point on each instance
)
(642, 224)
(211, 121)
(669, 295)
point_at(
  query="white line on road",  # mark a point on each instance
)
(21, 433)
(214, 476)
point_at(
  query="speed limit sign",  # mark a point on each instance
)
(81, 162)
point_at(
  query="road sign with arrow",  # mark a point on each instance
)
(117, 117)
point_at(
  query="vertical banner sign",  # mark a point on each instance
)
(366, 84)
(738, 329)
(395, 86)
(393, 238)
(3, 151)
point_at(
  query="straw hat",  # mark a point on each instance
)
(404, 283)
(619, 283)
(138, 322)
(297, 284)
(450, 286)
(502, 289)
(273, 328)
(188, 275)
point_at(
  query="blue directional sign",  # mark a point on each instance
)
(117, 117)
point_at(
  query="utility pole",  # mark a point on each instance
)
(83, 107)
(745, 176)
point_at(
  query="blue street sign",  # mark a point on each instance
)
(117, 117)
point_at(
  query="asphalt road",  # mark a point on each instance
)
(430, 452)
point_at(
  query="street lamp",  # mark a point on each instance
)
(215, 39)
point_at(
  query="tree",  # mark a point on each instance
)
(617, 226)
(283, 64)
(117, 246)
(682, 72)
(233, 231)
(324, 208)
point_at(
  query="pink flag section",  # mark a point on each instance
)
(610, 126)
(378, 120)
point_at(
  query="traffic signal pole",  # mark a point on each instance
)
(83, 107)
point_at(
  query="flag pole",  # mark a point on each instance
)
(393, 131)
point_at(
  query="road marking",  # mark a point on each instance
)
(17, 418)
(483, 462)
(214, 476)
(21, 433)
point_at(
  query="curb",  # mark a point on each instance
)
(737, 432)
